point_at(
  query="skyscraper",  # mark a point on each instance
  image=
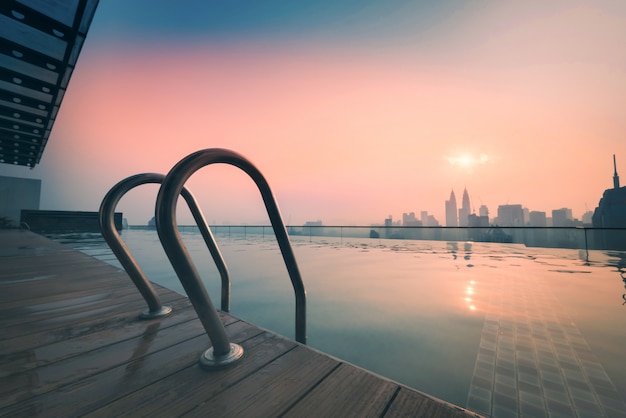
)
(510, 215)
(451, 217)
(611, 211)
(465, 210)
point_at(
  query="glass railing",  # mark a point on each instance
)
(581, 238)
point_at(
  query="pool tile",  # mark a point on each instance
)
(558, 395)
(608, 393)
(528, 370)
(557, 409)
(485, 372)
(501, 389)
(578, 384)
(505, 401)
(529, 378)
(611, 403)
(529, 388)
(503, 412)
(551, 376)
(530, 398)
(584, 395)
(573, 374)
(554, 386)
(527, 365)
(506, 381)
(593, 368)
(601, 383)
(504, 367)
(487, 350)
(479, 405)
(567, 357)
(582, 405)
(531, 410)
(488, 345)
(480, 382)
(547, 361)
(481, 393)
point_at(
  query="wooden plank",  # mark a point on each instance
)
(192, 385)
(75, 303)
(82, 396)
(60, 300)
(50, 377)
(23, 360)
(123, 314)
(347, 392)
(42, 271)
(272, 389)
(45, 282)
(411, 403)
(70, 323)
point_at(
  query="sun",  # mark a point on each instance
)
(467, 160)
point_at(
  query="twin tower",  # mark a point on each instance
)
(458, 217)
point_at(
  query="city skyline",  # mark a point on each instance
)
(530, 217)
(352, 110)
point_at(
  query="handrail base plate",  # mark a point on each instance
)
(209, 360)
(148, 314)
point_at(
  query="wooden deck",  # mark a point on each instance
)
(71, 345)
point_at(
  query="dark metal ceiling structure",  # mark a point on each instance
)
(40, 41)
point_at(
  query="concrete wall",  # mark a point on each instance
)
(16, 194)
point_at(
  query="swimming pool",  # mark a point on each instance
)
(501, 329)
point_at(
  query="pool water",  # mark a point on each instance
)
(500, 329)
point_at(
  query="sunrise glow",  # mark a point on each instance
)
(351, 117)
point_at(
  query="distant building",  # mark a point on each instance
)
(510, 215)
(588, 218)
(465, 210)
(483, 211)
(409, 219)
(477, 221)
(313, 223)
(611, 210)
(526, 214)
(562, 217)
(536, 218)
(451, 213)
(314, 227)
(428, 220)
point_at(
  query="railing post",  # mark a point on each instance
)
(586, 244)
(115, 242)
(113, 239)
(222, 353)
(186, 271)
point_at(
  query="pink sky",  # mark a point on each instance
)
(349, 133)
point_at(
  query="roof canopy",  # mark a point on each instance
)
(40, 41)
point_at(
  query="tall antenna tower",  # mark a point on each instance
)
(615, 176)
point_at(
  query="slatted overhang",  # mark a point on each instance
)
(40, 41)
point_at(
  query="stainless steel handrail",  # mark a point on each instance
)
(121, 251)
(222, 350)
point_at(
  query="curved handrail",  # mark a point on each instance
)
(180, 259)
(115, 242)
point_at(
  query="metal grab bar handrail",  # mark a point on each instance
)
(119, 248)
(180, 259)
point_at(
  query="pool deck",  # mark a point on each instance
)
(71, 344)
